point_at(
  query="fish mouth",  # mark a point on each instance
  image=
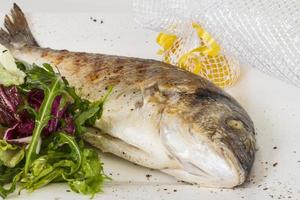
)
(203, 162)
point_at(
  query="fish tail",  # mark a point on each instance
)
(17, 31)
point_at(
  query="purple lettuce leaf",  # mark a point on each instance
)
(56, 114)
(35, 99)
(19, 130)
(21, 124)
(10, 132)
(10, 100)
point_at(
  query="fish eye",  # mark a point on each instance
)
(235, 124)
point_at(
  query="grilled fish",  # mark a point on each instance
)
(157, 116)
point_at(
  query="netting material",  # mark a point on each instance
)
(261, 33)
(199, 53)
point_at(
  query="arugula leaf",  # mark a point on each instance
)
(39, 174)
(14, 178)
(46, 79)
(63, 159)
(7, 173)
(74, 154)
(41, 76)
(90, 178)
(88, 116)
(79, 103)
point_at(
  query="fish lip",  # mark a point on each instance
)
(236, 174)
(240, 142)
(232, 161)
(233, 155)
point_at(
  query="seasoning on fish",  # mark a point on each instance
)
(157, 116)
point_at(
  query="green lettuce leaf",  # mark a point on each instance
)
(11, 160)
(9, 73)
(10, 155)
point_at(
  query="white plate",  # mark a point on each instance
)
(273, 105)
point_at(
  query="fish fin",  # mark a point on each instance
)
(17, 31)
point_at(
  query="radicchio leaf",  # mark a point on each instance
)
(56, 114)
(10, 99)
(35, 99)
(19, 130)
(10, 132)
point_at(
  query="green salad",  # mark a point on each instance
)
(41, 121)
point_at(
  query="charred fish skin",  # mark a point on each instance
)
(158, 116)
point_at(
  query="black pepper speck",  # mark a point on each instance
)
(148, 176)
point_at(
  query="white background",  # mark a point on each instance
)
(273, 105)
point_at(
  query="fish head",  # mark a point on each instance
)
(211, 136)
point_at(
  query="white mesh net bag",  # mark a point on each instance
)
(261, 33)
